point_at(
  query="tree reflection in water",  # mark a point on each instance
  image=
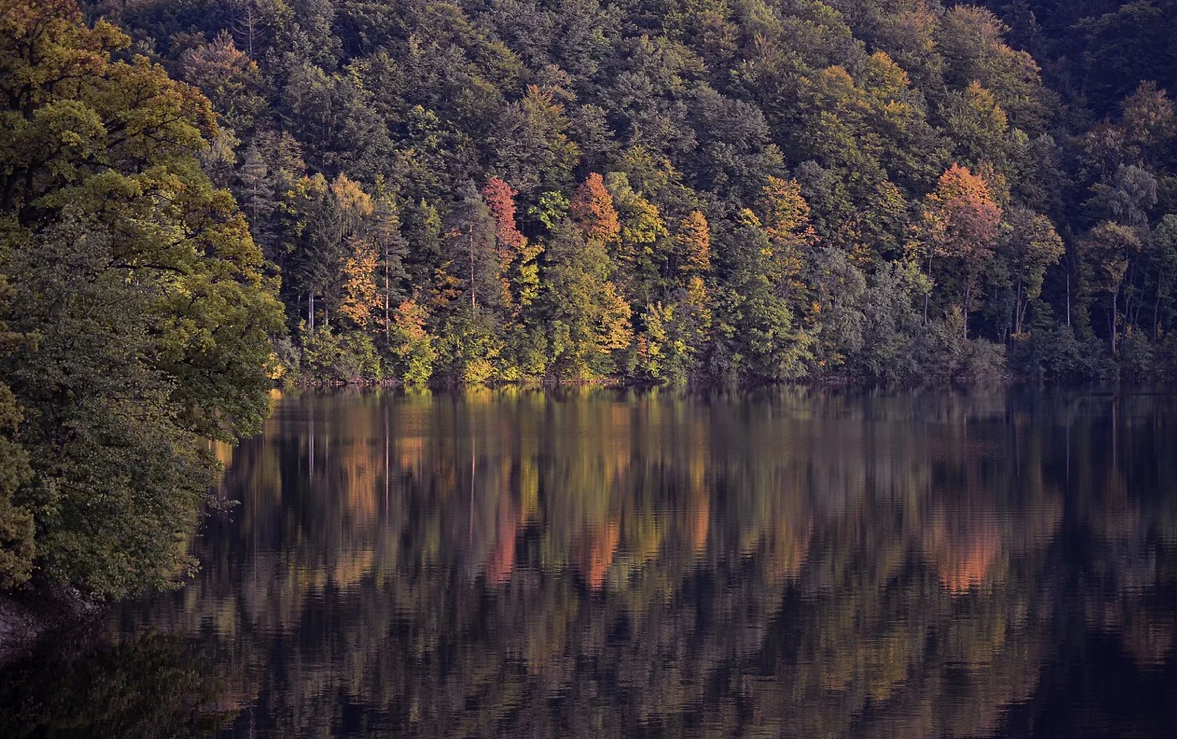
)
(599, 564)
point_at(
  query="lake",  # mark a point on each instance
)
(791, 563)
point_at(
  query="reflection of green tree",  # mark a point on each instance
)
(147, 687)
(815, 565)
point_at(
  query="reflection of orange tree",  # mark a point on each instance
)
(591, 564)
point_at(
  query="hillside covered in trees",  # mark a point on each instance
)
(695, 191)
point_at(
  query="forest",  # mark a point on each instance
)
(692, 192)
(203, 198)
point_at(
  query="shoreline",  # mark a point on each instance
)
(36, 612)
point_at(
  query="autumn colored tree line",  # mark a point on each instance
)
(610, 290)
(748, 192)
(460, 194)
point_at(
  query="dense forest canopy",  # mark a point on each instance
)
(642, 191)
(706, 191)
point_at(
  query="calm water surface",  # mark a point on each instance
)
(794, 564)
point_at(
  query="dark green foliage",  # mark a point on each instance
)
(138, 317)
(340, 358)
(760, 332)
(117, 481)
(891, 324)
(16, 523)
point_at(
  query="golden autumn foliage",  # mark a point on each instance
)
(412, 344)
(693, 244)
(359, 286)
(959, 228)
(785, 219)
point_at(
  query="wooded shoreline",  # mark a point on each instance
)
(203, 199)
(37, 612)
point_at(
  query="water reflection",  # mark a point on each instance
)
(796, 564)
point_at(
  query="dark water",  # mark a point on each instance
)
(795, 564)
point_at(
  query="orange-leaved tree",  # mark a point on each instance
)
(959, 229)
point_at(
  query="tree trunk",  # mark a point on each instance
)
(386, 288)
(929, 293)
(965, 312)
(1068, 300)
(1156, 317)
(1018, 309)
(1115, 317)
(249, 26)
(473, 297)
(311, 311)
(1129, 316)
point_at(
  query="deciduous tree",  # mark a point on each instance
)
(959, 229)
(143, 286)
